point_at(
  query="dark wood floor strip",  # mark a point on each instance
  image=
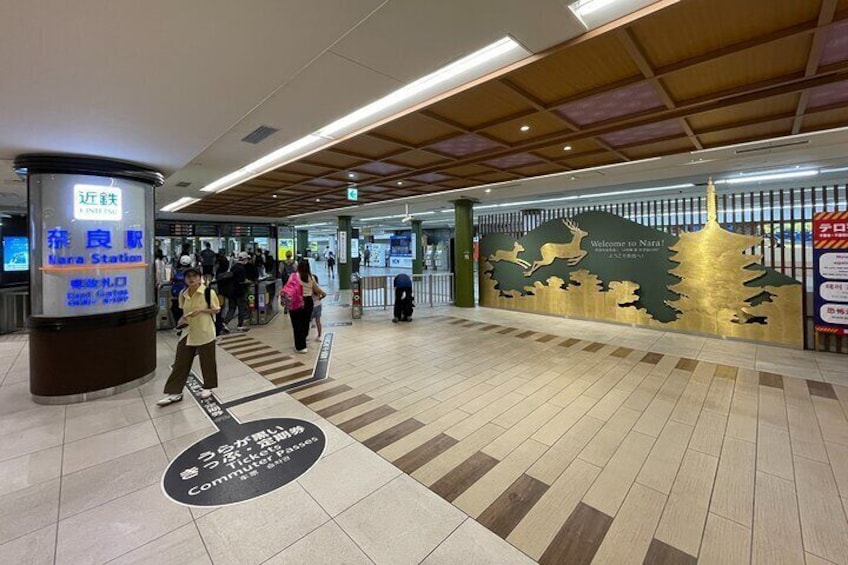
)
(570, 342)
(300, 375)
(622, 352)
(285, 379)
(253, 348)
(824, 390)
(593, 347)
(237, 339)
(526, 334)
(579, 538)
(363, 420)
(310, 385)
(424, 453)
(340, 407)
(726, 372)
(489, 327)
(772, 380)
(660, 553)
(457, 321)
(461, 477)
(388, 437)
(507, 330)
(512, 505)
(271, 361)
(546, 338)
(652, 358)
(686, 364)
(262, 355)
(280, 369)
(324, 394)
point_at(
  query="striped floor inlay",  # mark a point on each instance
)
(581, 452)
(277, 367)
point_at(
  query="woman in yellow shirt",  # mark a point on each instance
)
(198, 339)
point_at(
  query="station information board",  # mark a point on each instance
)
(830, 272)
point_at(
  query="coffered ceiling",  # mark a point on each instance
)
(697, 74)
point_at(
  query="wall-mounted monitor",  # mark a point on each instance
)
(15, 254)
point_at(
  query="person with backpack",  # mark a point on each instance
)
(236, 293)
(331, 264)
(177, 286)
(199, 304)
(403, 298)
(298, 295)
(207, 261)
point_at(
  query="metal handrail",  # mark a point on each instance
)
(434, 289)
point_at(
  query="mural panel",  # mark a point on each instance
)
(601, 266)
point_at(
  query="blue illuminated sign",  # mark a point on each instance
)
(15, 254)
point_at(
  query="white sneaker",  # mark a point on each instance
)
(242, 329)
(304, 350)
(207, 393)
(170, 399)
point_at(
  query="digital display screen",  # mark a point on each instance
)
(15, 254)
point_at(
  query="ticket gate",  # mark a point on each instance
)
(164, 318)
(266, 302)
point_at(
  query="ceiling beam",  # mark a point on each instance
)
(826, 14)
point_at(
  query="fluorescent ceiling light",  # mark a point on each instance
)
(478, 64)
(585, 7)
(595, 13)
(179, 204)
(775, 176)
(836, 170)
(394, 216)
(581, 196)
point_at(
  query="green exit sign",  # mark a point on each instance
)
(352, 193)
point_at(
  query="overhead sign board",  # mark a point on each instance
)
(352, 193)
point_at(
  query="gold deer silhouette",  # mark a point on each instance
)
(570, 251)
(510, 256)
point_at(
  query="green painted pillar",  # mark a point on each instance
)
(464, 252)
(302, 242)
(343, 259)
(418, 248)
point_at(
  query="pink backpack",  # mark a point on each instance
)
(291, 295)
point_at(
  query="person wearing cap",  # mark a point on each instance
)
(237, 300)
(199, 306)
(178, 285)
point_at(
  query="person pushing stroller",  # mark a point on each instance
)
(404, 301)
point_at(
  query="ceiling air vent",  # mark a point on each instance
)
(183, 184)
(259, 134)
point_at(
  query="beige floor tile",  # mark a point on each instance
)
(823, 523)
(521, 431)
(258, 530)
(742, 421)
(832, 421)
(107, 446)
(362, 472)
(816, 560)
(838, 455)
(538, 528)
(772, 408)
(641, 398)
(682, 522)
(481, 494)
(658, 411)
(627, 540)
(608, 405)
(524, 408)
(400, 523)
(555, 460)
(103, 418)
(472, 543)
(28, 470)
(327, 544)
(692, 399)
(660, 468)
(571, 393)
(709, 433)
(634, 377)
(725, 543)
(394, 419)
(776, 537)
(26, 510)
(613, 484)
(35, 548)
(774, 453)
(477, 420)
(183, 546)
(409, 442)
(562, 422)
(606, 441)
(437, 468)
(117, 527)
(720, 395)
(31, 440)
(733, 493)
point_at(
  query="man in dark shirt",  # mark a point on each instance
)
(238, 292)
(403, 298)
(207, 262)
(250, 268)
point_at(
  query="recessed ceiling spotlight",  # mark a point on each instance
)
(273, 196)
(567, 148)
(317, 200)
(525, 127)
(400, 183)
(351, 175)
(488, 190)
(573, 178)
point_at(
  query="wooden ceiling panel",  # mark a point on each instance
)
(497, 177)
(584, 67)
(329, 158)
(826, 119)
(459, 183)
(416, 130)
(540, 169)
(368, 147)
(695, 27)
(414, 159)
(668, 147)
(578, 147)
(305, 170)
(777, 106)
(592, 160)
(481, 105)
(467, 171)
(284, 176)
(746, 67)
(541, 123)
(747, 133)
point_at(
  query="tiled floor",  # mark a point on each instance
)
(575, 442)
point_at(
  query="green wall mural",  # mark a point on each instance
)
(599, 265)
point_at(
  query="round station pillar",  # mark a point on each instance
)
(464, 252)
(417, 248)
(92, 329)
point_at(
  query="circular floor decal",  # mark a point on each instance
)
(243, 461)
